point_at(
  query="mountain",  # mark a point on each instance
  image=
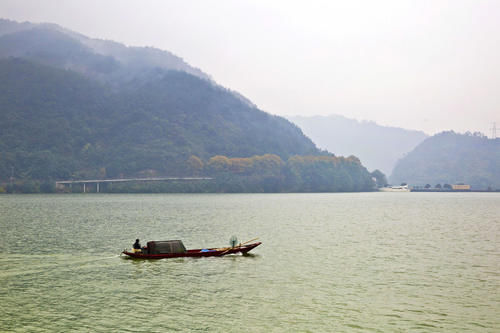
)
(74, 107)
(104, 60)
(54, 45)
(378, 147)
(451, 158)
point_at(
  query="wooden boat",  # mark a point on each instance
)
(176, 249)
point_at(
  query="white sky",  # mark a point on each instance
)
(428, 65)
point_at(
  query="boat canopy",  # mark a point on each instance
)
(162, 247)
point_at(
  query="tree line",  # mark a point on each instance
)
(260, 174)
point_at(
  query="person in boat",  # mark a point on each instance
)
(137, 246)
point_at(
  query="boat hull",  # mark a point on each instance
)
(197, 253)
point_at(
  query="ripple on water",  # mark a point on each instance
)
(329, 262)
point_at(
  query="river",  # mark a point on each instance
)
(351, 262)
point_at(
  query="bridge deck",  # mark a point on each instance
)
(121, 180)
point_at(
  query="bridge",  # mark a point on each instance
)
(62, 183)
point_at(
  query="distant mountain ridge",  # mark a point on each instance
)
(452, 158)
(378, 147)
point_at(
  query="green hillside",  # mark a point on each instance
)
(451, 158)
(59, 124)
(79, 108)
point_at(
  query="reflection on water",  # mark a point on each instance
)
(328, 262)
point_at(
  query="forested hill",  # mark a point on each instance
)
(451, 158)
(59, 124)
(79, 108)
(75, 107)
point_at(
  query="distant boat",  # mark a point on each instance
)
(176, 249)
(402, 188)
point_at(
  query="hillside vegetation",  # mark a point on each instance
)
(59, 124)
(78, 108)
(452, 158)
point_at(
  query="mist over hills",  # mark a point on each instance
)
(74, 107)
(108, 61)
(378, 147)
(452, 158)
(54, 45)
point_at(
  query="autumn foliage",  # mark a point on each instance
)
(269, 173)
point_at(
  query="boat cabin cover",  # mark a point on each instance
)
(162, 247)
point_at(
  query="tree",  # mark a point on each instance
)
(447, 186)
(268, 164)
(438, 186)
(218, 164)
(195, 165)
(427, 186)
(380, 178)
(327, 174)
(241, 165)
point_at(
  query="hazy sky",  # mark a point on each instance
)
(429, 65)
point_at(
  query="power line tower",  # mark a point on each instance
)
(494, 131)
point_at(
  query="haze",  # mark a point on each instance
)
(426, 65)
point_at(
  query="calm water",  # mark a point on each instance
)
(381, 262)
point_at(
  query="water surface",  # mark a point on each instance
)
(381, 262)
